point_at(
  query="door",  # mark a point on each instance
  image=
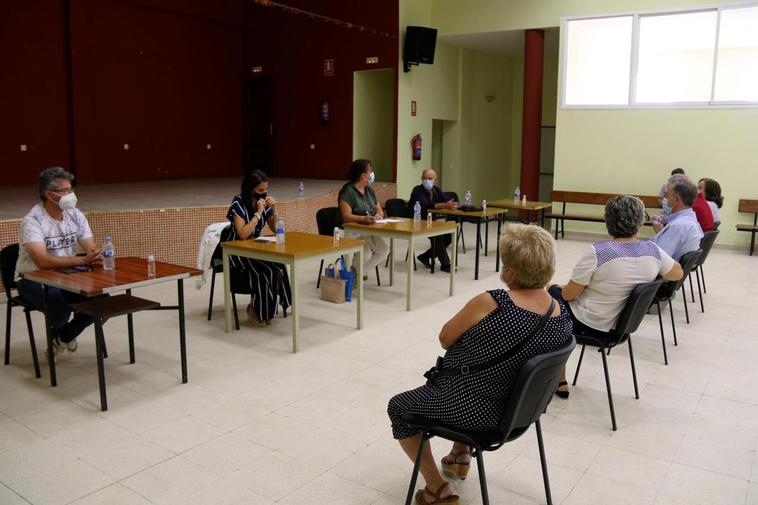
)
(258, 129)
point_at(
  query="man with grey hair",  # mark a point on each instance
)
(681, 232)
(49, 236)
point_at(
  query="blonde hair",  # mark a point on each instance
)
(529, 252)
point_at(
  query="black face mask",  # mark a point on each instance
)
(258, 196)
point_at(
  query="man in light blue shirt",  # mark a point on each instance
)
(681, 232)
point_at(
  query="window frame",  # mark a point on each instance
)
(634, 61)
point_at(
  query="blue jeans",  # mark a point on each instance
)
(58, 310)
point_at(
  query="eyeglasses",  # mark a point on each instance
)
(64, 191)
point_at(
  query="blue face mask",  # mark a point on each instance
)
(666, 207)
(371, 178)
(427, 183)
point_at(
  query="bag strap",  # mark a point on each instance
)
(465, 370)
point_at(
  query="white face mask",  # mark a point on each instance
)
(428, 184)
(67, 202)
(371, 178)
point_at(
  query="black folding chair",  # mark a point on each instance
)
(397, 207)
(628, 322)
(531, 393)
(326, 220)
(8, 258)
(666, 294)
(706, 244)
(217, 265)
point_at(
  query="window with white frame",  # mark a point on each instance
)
(702, 58)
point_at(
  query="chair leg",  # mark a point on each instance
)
(545, 479)
(482, 478)
(463, 240)
(32, 344)
(236, 316)
(378, 280)
(692, 291)
(663, 339)
(608, 387)
(578, 365)
(9, 307)
(210, 298)
(673, 324)
(702, 274)
(634, 370)
(699, 291)
(416, 467)
(686, 311)
(105, 349)
(320, 270)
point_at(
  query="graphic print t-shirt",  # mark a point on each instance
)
(60, 238)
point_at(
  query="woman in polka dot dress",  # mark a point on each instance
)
(488, 326)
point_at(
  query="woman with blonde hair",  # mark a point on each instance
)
(496, 323)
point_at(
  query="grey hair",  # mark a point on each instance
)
(624, 216)
(684, 188)
(48, 177)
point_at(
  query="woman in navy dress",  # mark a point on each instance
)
(268, 281)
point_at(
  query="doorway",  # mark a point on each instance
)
(258, 126)
(373, 119)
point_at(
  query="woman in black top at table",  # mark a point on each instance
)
(268, 281)
(430, 196)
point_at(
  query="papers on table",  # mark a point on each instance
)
(266, 239)
(383, 221)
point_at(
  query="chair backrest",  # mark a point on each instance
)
(8, 258)
(706, 243)
(636, 307)
(225, 236)
(533, 390)
(747, 205)
(326, 220)
(396, 207)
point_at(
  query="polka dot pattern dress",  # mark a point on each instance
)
(476, 402)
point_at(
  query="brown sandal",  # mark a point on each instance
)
(252, 318)
(453, 499)
(456, 469)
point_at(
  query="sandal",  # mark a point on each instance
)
(455, 469)
(252, 318)
(562, 394)
(421, 496)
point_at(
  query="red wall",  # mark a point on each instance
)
(33, 102)
(291, 49)
(166, 77)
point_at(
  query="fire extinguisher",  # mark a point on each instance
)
(416, 147)
(324, 111)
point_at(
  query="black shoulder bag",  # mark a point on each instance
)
(439, 371)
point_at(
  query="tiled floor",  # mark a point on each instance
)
(259, 425)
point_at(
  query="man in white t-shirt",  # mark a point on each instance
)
(607, 272)
(50, 234)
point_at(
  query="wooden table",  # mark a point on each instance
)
(298, 246)
(129, 273)
(481, 216)
(505, 203)
(406, 229)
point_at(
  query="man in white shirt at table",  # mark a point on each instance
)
(49, 236)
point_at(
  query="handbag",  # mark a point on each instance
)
(438, 370)
(344, 273)
(333, 286)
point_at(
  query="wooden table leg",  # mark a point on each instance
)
(476, 267)
(454, 261)
(295, 307)
(49, 336)
(392, 260)
(497, 247)
(409, 282)
(359, 280)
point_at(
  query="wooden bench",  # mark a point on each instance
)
(578, 197)
(749, 207)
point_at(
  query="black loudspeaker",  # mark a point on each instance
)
(419, 46)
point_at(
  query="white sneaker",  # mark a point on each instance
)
(69, 346)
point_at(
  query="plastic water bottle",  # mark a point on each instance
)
(484, 204)
(429, 219)
(517, 195)
(467, 198)
(109, 254)
(301, 189)
(280, 231)
(523, 199)
(151, 266)
(336, 235)
(417, 213)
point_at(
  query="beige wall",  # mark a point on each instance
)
(625, 150)
(373, 117)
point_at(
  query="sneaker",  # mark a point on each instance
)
(425, 260)
(57, 349)
(68, 346)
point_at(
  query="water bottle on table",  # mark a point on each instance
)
(151, 266)
(517, 195)
(280, 231)
(301, 189)
(417, 213)
(109, 254)
(467, 198)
